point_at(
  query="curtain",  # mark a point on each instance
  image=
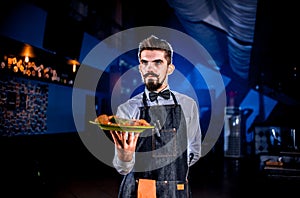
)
(224, 27)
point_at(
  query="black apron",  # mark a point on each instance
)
(161, 153)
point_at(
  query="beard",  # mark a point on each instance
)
(153, 85)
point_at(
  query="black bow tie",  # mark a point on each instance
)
(165, 94)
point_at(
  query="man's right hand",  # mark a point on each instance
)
(125, 143)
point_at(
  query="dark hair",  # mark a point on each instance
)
(154, 43)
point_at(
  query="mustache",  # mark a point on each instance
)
(150, 73)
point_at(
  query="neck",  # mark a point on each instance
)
(162, 87)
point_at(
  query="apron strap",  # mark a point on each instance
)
(174, 98)
(145, 100)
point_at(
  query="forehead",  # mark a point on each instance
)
(152, 55)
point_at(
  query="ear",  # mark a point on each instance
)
(171, 68)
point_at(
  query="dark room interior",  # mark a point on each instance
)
(46, 105)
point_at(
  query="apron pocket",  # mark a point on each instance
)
(165, 144)
(146, 188)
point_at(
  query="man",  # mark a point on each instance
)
(155, 162)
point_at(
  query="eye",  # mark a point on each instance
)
(144, 62)
(158, 62)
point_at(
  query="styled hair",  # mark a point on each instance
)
(154, 43)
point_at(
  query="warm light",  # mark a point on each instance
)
(74, 68)
(27, 51)
(26, 59)
(74, 63)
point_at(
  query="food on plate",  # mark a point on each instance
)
(116, 121)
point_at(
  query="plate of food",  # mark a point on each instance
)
(114, 123)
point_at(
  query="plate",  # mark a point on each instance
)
(137, 129)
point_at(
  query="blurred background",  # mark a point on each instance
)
(252, 45)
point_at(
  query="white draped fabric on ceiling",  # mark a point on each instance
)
(224, 27)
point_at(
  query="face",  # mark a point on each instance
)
(154, 69)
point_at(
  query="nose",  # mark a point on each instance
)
(148, 67)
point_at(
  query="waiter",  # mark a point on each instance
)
(155, 163)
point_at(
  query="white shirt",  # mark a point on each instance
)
(130, 109)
